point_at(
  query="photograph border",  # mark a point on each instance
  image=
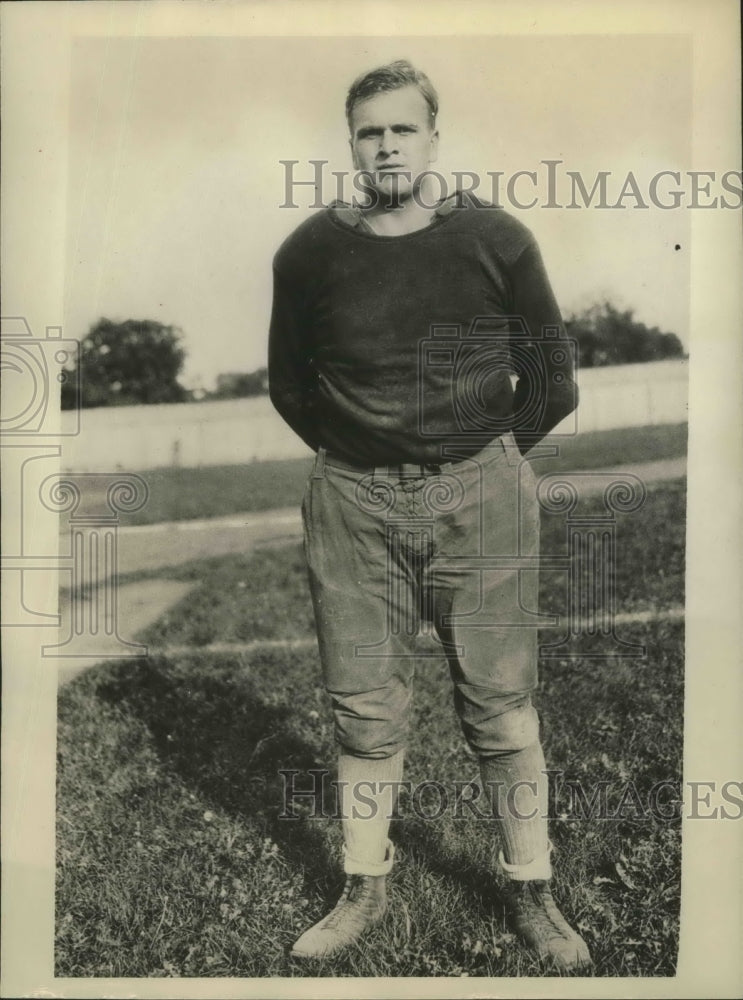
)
(36, 43)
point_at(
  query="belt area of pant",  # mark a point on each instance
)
(396, 470)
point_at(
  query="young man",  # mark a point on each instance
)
(395, 330)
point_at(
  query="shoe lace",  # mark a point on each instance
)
(353, 892)
(534, 902)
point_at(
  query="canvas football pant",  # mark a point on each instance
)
(404, 561)
(390, 554)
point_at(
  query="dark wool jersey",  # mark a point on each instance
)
(387, 349)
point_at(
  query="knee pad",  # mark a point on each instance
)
(513, 728)
(369, 734)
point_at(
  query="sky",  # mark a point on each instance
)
(176, 185)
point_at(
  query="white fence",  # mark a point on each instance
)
(236, 431)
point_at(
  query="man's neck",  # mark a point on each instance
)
(408, 215)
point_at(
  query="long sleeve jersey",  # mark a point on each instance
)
(387, 349)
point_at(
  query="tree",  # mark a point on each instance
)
(608, 336)
(137, 361)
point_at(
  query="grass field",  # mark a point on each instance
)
(172, 856)
(182, 494)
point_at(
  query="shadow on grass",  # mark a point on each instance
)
(228, 741)
(227, 736)
(224, 728)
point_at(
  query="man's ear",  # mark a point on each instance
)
(434, 151)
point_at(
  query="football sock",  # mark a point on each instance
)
(367, 802)
(517, 786)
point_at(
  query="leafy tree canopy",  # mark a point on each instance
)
(136, 361)
(609, 336)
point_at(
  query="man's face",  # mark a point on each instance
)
(392, 138)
